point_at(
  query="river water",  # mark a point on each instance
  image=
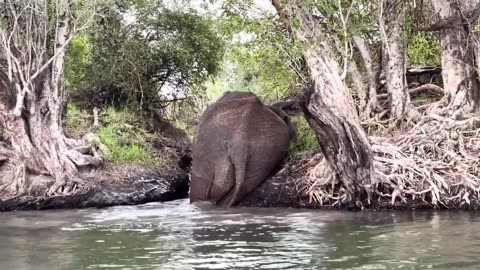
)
(177, 235)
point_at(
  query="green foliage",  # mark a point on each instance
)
(423, 50)
(77, 122)
(77, 61)
(475, 27)
(126, 141)
(305, 139)
(260, 58)
(425, 98)
(131, 60)
(121, 149)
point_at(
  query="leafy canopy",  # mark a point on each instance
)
(137, 49)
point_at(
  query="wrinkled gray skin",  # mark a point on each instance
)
(239, 143)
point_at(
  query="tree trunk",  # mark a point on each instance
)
(329, 111)
(371, 102)
(361, 90)
(33, 83)
(390, 17)
(457, 53)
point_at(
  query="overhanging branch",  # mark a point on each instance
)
(468, 16)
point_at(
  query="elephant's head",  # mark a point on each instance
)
(285, 110)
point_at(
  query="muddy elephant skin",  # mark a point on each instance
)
(239, 143)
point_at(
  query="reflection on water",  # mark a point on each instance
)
(178, 235)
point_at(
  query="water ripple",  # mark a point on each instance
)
(178, 235)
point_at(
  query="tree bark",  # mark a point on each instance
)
(470, 14)
(361, 89)
(459, 77)
(391, 14)
(327, 108)
(33, 82)
(371, 102)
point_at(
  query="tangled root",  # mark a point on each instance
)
(437, 162)
(17, 170)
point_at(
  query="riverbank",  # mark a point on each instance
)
(299, 184)
(303, 182)
(112, 185)
(307, 182)
(145, 158)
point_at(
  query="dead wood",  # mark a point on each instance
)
(95, 117)
(423, 88)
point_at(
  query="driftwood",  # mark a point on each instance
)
(414, 71)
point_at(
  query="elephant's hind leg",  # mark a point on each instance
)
(224, 180)
(239, 160)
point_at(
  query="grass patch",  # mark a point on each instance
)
(127, 141)
(78, 122)
(122, 132)
(121, 148)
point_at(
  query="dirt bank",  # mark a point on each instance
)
(112, 185)
(299, 184)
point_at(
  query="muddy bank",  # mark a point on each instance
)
(113, 185)
(283, 188)
(297, 185)
(111, 182)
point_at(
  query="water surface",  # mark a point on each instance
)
(177, 235)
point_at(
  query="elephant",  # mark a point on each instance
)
(239, 143)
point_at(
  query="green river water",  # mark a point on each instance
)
(177, 235)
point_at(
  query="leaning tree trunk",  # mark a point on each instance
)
(391, 14)
(33, 87)
(329, 111)
(457, 53)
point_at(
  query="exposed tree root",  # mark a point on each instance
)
(5, 152)
(423, 88)
(437, 162)
(74, 155)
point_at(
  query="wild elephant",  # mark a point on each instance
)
(239, 142)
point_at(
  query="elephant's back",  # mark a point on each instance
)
(229, 113)
(220, 123)
(244, 120)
